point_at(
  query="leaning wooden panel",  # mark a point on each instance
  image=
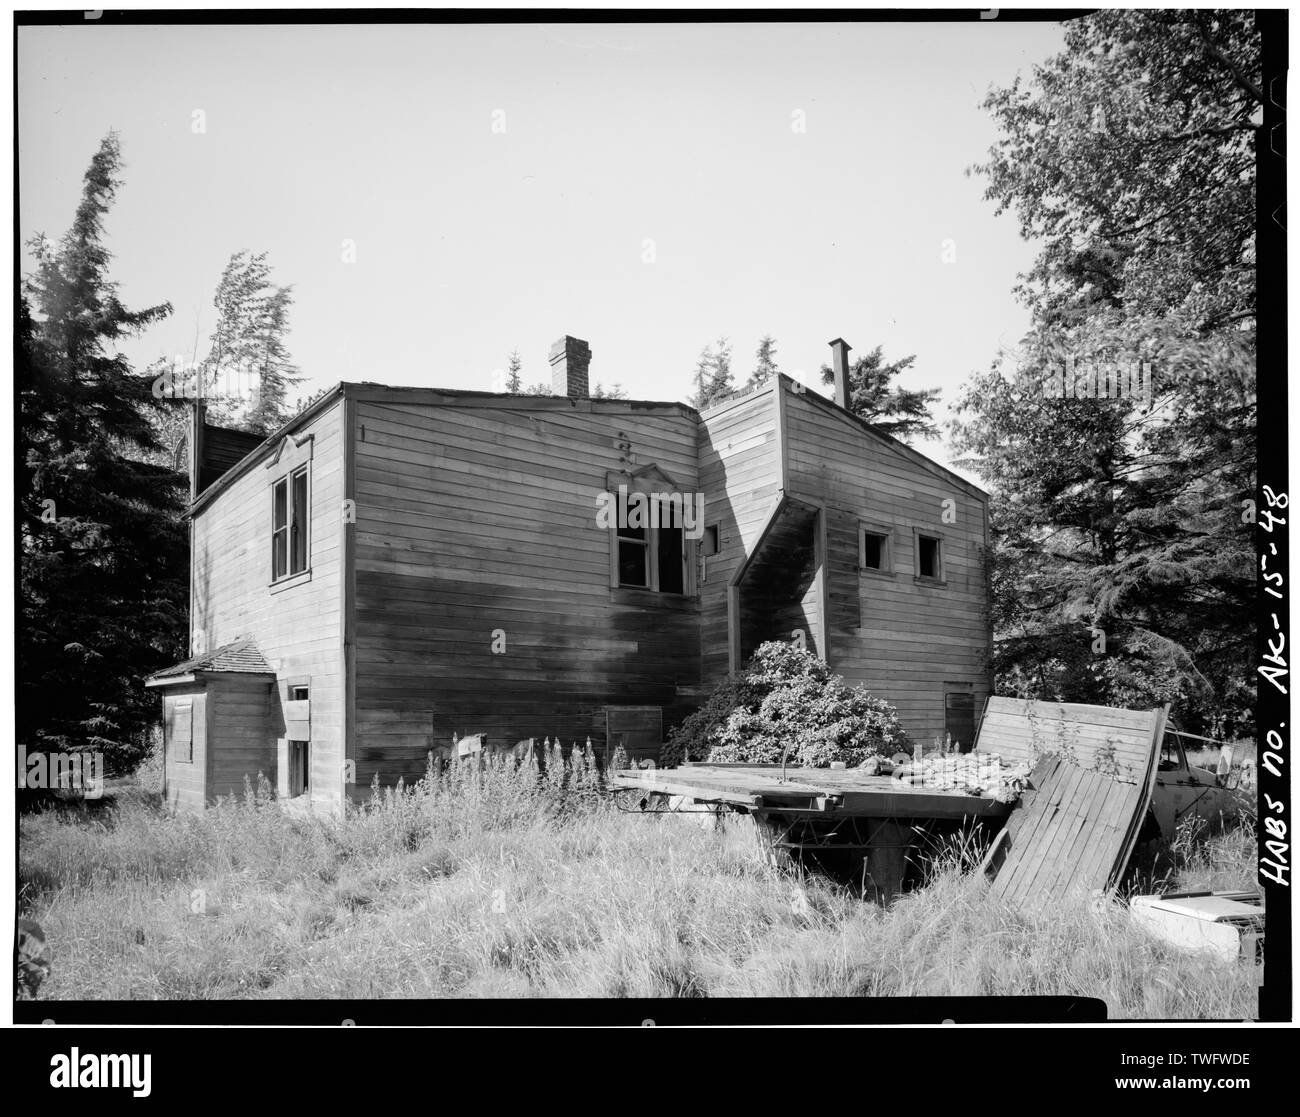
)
(1075, 830)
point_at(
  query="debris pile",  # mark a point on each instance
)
(974, 773)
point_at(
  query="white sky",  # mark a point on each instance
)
(470, 242)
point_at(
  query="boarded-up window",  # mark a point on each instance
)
(180, 731)
(637, 729)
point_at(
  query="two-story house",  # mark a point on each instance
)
(396, 566)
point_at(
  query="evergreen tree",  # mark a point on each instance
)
(249, 349)
(765, 366)
(713, 379)
(103, 571)
(900, 412)
(1122, 568)
(514, 378)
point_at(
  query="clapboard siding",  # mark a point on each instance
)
(185, 781)
(298, 629)
(477, 522)
(740, 476)
(905, 639)
(241, 715)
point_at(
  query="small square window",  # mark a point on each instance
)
(929, 557)
(875, 551)
(298, 693)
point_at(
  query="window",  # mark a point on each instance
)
(712, 542)
(672, 575)
(298, 693)
(929, 557)
(649, 520)
(289, 525)
(181, 731)
(633, 556)
(652, 558)
(874, 551)
(299, 768)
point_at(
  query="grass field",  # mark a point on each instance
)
(508, 886)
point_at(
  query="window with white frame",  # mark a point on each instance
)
(290, 518)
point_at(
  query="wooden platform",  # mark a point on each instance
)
(821, 790)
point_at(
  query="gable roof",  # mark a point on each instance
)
(239, 657)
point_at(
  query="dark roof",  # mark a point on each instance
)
(240, 657)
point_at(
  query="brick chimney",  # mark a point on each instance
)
(570, 359)
(840, 364)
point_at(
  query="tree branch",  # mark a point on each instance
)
(1239, 75)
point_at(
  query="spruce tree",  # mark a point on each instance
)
(764, 363)
(901, 412)
(103, 564)
(249, 348)
(713, 378)
(514, 376)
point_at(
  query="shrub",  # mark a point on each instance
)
(786, 697)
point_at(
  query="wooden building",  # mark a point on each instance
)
(398, 566)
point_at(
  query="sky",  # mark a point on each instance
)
(440, 196)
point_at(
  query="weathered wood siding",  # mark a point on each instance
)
(297, 627)
(240, 712)
(740, 472)
(185, 782)
(475, 520)
(903, 637)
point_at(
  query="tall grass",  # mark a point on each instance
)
(528, 883)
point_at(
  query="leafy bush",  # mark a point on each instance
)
(786, 696)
